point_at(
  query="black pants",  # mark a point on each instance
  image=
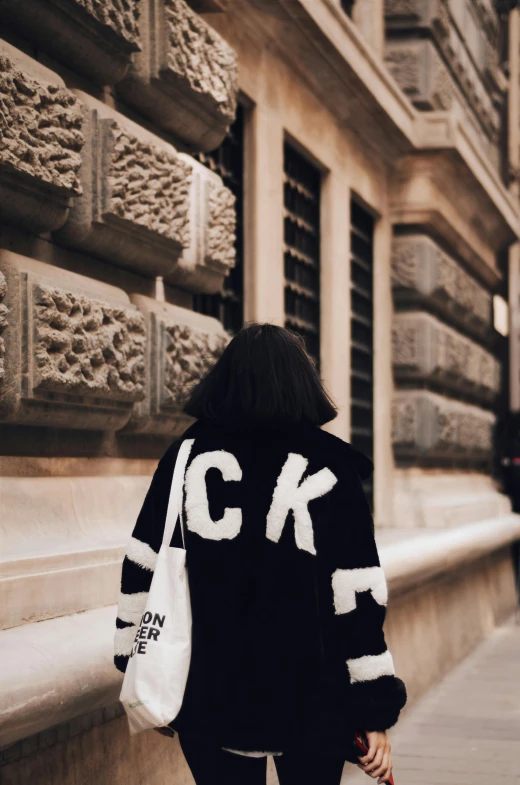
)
(211, 765)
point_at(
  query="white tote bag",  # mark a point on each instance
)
(157, 671)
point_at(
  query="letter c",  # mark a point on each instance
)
(197, 506)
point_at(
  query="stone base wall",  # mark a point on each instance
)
(104, 754)
(430, 627)
(434, 625)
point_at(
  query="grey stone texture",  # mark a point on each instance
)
(40, 143)
(182, 346)
(121, 16)
(148, 208)
(85, 346)
(185, 78)
(420, 72)
(427, 351)
(74, 348)
(148, 186)
(424, 274)
(97, 37)
(221, 225)
(134, 211)
(211, 251)
(429, 427)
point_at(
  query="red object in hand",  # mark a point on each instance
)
(361, 743)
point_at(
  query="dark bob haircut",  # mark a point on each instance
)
(263, 378)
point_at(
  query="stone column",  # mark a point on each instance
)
(264, 296)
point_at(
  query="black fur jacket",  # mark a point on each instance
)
(288, 598)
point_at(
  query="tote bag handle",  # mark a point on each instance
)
(175, 501)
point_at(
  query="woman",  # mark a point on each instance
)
(288, 598)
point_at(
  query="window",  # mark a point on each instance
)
(348, 6)
(302, 248)
(228, 161)
(362, 333)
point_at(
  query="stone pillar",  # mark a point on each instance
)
(264, 295)
(335, 296)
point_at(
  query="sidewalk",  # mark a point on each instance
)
(465, 731)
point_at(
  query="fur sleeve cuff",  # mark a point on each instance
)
(121, 661)
(376, 705)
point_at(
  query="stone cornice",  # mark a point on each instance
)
(445, 131)
(416, 560)
(318, 41)
(323, 46)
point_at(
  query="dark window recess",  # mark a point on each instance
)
(228, 162)
(302, 249)
(348, 6)
(362, 335)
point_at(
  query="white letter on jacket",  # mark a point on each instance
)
(290, 495)
(197, 507)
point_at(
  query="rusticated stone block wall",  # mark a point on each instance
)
(446, 375)
(96, 37)
(444, 55)
(424, 275)
(84, 346)
(78, 354)
(74, 352)
(425, 349)
(73, 348)
(437, 429)
(185, 78)
(98, 197)
(106, 205)
(41, 141)
(148, 208)
(182, 346)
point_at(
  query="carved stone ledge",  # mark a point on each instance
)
(147, 207)
(96, 37)
(426, 350)
(73, 348)
(419, 71)
(40, 143)
(422, 273)
(429, 427)
(134, 211)
(182, 346)
(185, 79)
(210, 255)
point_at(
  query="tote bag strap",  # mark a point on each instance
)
(175, 501)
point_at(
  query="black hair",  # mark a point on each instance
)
(263, 378)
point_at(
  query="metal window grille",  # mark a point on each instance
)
(302, 248)
(228, 161)
(362, 334)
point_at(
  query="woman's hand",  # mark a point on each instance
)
(378, 760)
(166, 731)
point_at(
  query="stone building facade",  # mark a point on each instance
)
(170, 170)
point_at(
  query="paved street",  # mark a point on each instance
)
(466, 731)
